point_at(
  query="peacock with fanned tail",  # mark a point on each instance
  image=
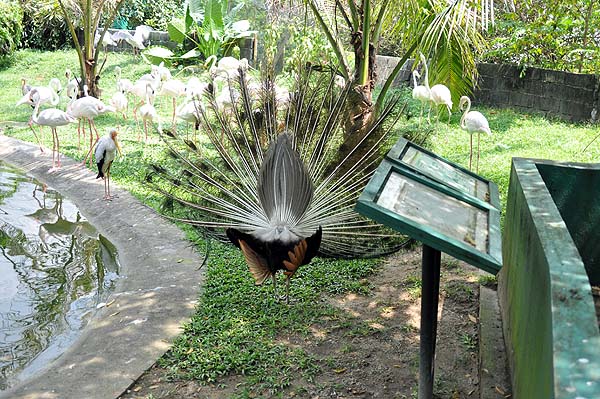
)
(265, 175)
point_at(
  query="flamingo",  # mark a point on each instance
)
(123, 84)
(72, 86)
(25, 88)
(173, 88)
(53, 118)
(105, 154)
(88, 108)
(139, 89)
(194, 89)
(191, 112)
(148, 112)
(440, 95)
(135, 42)
(473, 121)
(41, 95)
(120, 103)
(107, 40)
(422, 92)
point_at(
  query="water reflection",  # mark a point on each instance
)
(54, 269)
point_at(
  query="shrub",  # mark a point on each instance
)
(11, 29)
(45, 25)
(555, 35)
(156, 13)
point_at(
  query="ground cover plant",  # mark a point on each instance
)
(243, 343)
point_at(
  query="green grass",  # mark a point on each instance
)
(237, 327)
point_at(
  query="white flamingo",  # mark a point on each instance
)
(440, 95)
(120, 103)
(139, 89)
(88, 108)
(473, 122)
(422, 92)
(173, 88)
(148, 112)
(53, 118)
(123, 84)
(136, 42)
(72, 86)
(25, 88)
(40, 95)
(195, 89)
(105, 154)
(191, 112)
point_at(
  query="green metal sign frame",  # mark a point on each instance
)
(489, 260)
(400, 150)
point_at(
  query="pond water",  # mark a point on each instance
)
(55, 270)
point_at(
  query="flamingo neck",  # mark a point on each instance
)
(415, 78)
(464, 116)
(34, 116)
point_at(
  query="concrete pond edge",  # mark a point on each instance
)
(157, 293)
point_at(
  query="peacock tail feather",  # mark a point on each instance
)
(219, 181)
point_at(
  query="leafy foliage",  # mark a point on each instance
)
(561, 35)
(11, 29)
(155, 13)
(210, 28)
(45, 27)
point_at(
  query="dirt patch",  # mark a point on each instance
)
(373, 352)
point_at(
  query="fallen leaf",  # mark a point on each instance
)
(472, 318)
(153, 386)
(189, 351)
(500, 390)
(339, 371)
(114, 314)
(110, 303)
(179, 260)
(137, 389)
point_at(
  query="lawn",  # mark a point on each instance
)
(237, 327)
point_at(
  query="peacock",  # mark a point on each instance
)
(266, 176)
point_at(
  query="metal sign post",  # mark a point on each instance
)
(447, 208)
(430, 290)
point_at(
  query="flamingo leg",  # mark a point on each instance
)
(478, 137)
(36, 137)
(449, 113)
(173, 121)
(57, 148)
(470, 150)
(146, 129)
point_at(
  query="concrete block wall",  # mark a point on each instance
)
(566, 95)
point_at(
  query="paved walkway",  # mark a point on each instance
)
(156, 295)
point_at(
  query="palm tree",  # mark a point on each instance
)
(447, 32)
(86, 15)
